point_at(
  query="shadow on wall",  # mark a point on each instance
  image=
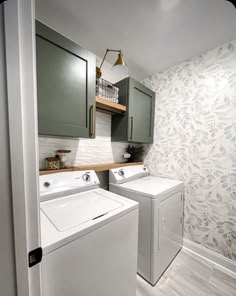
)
(147, 149)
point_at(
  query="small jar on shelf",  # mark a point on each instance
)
(64, 158)
(53, 163)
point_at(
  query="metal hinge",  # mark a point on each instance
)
(35, 256)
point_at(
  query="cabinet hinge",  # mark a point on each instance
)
(35, 256)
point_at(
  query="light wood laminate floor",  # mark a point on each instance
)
(190, 275)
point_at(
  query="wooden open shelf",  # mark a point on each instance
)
(107, 106)
(95, 167)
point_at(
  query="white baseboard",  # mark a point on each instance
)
(209, 255)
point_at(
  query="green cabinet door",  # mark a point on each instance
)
(141, 113)
(137, 125)
(65, 85)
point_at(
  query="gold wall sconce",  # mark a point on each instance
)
(119, 67)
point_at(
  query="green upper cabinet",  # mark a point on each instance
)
(65, 85)
(136, 126)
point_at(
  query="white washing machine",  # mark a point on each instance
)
(89, 237)
(160, 217)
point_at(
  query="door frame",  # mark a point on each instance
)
(7, 254)
(19, 27)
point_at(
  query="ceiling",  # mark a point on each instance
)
(153, 34)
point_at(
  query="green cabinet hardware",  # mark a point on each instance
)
(137, 124)
(65, 86)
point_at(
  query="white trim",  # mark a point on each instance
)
(7, 254)
(22, 111)
(209, 255)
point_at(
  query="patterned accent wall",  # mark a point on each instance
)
(195, 141)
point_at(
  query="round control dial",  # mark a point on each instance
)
(46, 184)
(121, 173)
(86, 177)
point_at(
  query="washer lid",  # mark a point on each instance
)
(151, 186)
(77, 209)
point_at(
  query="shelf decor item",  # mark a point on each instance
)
(136, 153)
(53, 163)
(106, 90)
(63, 155)
(119, 67)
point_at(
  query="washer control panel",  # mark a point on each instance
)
(61, 184)
(121, 173)
(127, 173)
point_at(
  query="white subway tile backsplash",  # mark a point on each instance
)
(42, 161)
(61, 142)
(41, 140)
(85, 151)
(118, 150)
(45, 149)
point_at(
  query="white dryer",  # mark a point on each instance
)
(89, 237)
(160, 216)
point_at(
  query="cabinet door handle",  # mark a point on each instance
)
(150, 124)
(132, 128)
(92, 121)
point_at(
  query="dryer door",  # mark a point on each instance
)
(169, 226)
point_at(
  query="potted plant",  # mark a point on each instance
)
(136, 153)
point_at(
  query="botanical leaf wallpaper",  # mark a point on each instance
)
(195, 141)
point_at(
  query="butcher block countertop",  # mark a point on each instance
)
(95, 167)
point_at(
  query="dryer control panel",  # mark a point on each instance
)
(127, 173)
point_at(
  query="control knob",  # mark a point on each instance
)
(46, 184)
(86, 177)
(121, 173)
